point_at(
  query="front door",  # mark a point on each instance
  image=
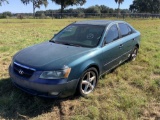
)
(112, 49)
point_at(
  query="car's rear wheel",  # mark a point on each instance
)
(134, 54)
(88, 82)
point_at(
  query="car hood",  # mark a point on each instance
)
(49, 55)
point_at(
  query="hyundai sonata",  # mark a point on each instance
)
(74, 58)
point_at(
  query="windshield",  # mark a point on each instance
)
(80, 35)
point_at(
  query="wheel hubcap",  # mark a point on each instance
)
(88, 82)
(134, 54)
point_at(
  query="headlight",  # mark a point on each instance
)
(56, 74)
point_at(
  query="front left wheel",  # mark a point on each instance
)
(88, 81)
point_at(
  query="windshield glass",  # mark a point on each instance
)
(80, 35)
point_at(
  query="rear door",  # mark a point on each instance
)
(127, 38)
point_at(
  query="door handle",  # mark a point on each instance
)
(120, 46)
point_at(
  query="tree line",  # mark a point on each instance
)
(62, 3)
(138, 6)
(96, 10)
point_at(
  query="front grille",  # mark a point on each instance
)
(23, 71)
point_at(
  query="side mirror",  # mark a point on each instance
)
(55, 34)
(105, 42)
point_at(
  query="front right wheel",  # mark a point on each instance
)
(88, 81)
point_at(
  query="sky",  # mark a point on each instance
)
(16, 6)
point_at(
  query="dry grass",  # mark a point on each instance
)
(132, 91)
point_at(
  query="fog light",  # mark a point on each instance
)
(54, 93)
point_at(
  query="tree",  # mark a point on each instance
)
(1, 1)
(125, 11)
(104, 9)
(6, 14)
(65, 3)
(155, 6)
(119, 2)
(93, 10)
(139, 6)
(145, 6)
(36, 4)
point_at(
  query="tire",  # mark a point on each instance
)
(88, 81)
(134, 54)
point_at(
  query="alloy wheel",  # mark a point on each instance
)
(88, 82)
(134, 54)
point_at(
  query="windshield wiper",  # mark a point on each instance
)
(55, 42)
(52, 41)
(71, 44)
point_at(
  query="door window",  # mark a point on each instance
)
(123, 29)
(130, 30)
(112, 34)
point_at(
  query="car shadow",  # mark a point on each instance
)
(16, 104)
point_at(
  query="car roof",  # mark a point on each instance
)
(97, 22)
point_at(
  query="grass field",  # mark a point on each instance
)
(130, 92)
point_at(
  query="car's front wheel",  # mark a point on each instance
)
(88, 81)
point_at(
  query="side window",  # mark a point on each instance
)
(112, 34)
(123, 29)
(130, 30)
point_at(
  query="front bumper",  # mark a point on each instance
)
(45, 88)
